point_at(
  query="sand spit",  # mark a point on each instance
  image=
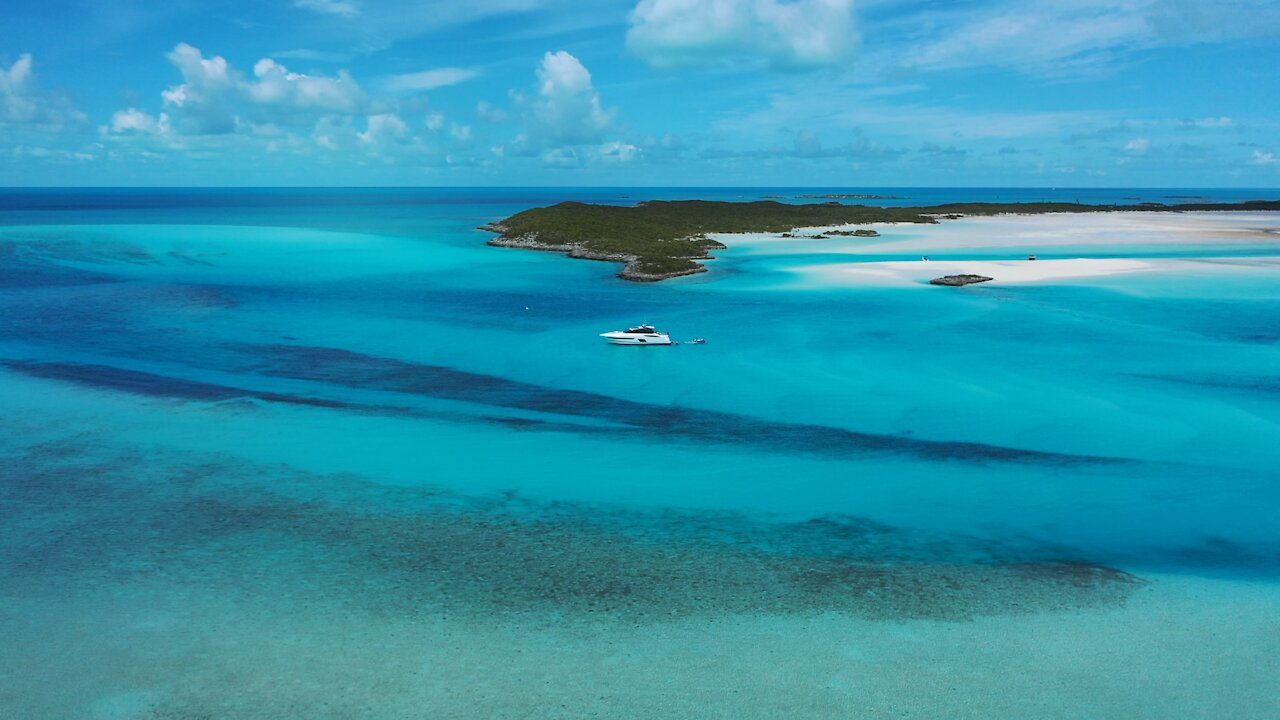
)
(1002, 247)
(1007, 271)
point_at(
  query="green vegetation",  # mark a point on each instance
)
(661, 239)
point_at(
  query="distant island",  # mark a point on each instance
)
(660, 239)
(845, 196)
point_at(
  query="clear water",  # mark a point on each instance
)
(247, 429)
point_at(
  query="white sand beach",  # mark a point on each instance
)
(1000, 271)
(1097, 245)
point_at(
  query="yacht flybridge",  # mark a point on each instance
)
(638, 335)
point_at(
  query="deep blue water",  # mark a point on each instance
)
(217, 371)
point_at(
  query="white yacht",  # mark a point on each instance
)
(638, 335)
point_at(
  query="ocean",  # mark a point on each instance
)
(324, 453)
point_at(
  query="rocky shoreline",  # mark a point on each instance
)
(631, 268)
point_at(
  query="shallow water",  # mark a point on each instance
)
(322, 453)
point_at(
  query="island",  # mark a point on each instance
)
(855, 196)
(861, 232)
(661, 239)
(959, 280)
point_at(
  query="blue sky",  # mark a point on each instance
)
(1164, 93)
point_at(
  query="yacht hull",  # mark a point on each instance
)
(619, 338)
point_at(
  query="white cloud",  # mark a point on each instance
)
(1138, 145)
(1264, 158)
(22, 102)
(619, 151)
(430, 79)
(203, 102)
(384, 128)
(567, 109)
(341, 8)
(214, 98)
(16, 90)
(435, 121)
(278, 87)
(564, 123)
(794, 35)
(134, 121)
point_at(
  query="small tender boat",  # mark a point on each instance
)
(638, 335)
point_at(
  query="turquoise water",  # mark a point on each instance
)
(248, 434)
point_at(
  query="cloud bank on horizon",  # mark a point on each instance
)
(633, 92)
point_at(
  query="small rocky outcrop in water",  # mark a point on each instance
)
(958, 280)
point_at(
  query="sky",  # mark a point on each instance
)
(839, 93)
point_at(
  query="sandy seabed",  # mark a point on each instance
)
(180, 589)
(1180, 648)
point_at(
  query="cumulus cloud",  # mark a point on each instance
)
(567, 108)
(22, 101)
(134, 121)
(384, 129)
(430, 79)
(792, 35)
(341, 8)
(214, 98)
(16, 89)
(203, 102)
(278, 87)
(564, 123)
